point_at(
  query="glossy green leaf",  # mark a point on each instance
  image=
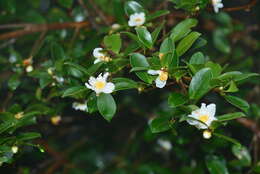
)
(74, 91)
(197, 58)
(113, 42)
(200, 84)
(14, 82)
(132, 7)
(160, 124)
(167, 49)
(187, 42)
(231, 116)
(139, 60)
(177, 99)
(106, 106)
(238, 102)
(183, 28)
(216, 165)
(157, 31)
(144, 37)
(28, 136)
(242, 155)
(124, 83)
(157, 14)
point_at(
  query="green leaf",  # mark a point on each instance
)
(78, 67)
(238, 102)
(139, 60)
(200, 83)
(177, 99)
(242, 154)
(216, 165)
(14, 82)
(66, 3)
(157, 31)
(232, 140)
(187, 42)
(118, 9)
(220, 41)
(157, 14)
(167, 49)
(94, 68)
(139, 69)
(57, 51)
(132, 7)
(106, 106)
(144, 37)
(124, 83)
(232, 87)
(74, 91)
(215, 68)
(182, 29)
(133, 37)
(160, 124)
(113, 42)
(197, 58)
(231, 116)
(28, 136)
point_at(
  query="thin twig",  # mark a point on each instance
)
(243, 7)
(33, 28)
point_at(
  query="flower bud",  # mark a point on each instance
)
(207, 134)
(55, 120)
(15, 149)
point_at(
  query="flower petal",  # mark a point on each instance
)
(97, 60)
(211, 109)
(109, 88)
(153, 72)
(159, 83)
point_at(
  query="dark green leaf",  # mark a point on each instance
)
(187, 42)
(74, 91)
(106, 106)
(216, 165)
(144, 37)
(200, 83)
(124, 83)
(160, 124)
(177, 99)
(113, 42)
(132, 7)
(182, 29)
(238, 102)
(231, 116)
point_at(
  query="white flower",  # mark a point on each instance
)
(217, 4)
(80, 106)
(100, 84)
(136, 19)
(205, 115)
(161, 79)
(100, 56)
(12, 58)
(165, 144)
(15, 149)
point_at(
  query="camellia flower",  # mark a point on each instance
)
(136, 19)
(100, 56)
(100, 84)
(217, 4)
(205, 115)
(80, 106)
(161, 79)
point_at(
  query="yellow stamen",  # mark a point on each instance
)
(204, 118)
(138, 20)
(100, 85)
(163, 76)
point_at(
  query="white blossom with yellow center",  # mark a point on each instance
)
(80, 106)
(100, 84)
(205, 115)
(161, 79)
(100, 56)
(217, 4)
(136, 19)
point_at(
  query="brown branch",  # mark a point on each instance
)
(33, 28)
(250, 124)
(243, 7)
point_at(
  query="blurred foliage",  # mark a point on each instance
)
(209, 58)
